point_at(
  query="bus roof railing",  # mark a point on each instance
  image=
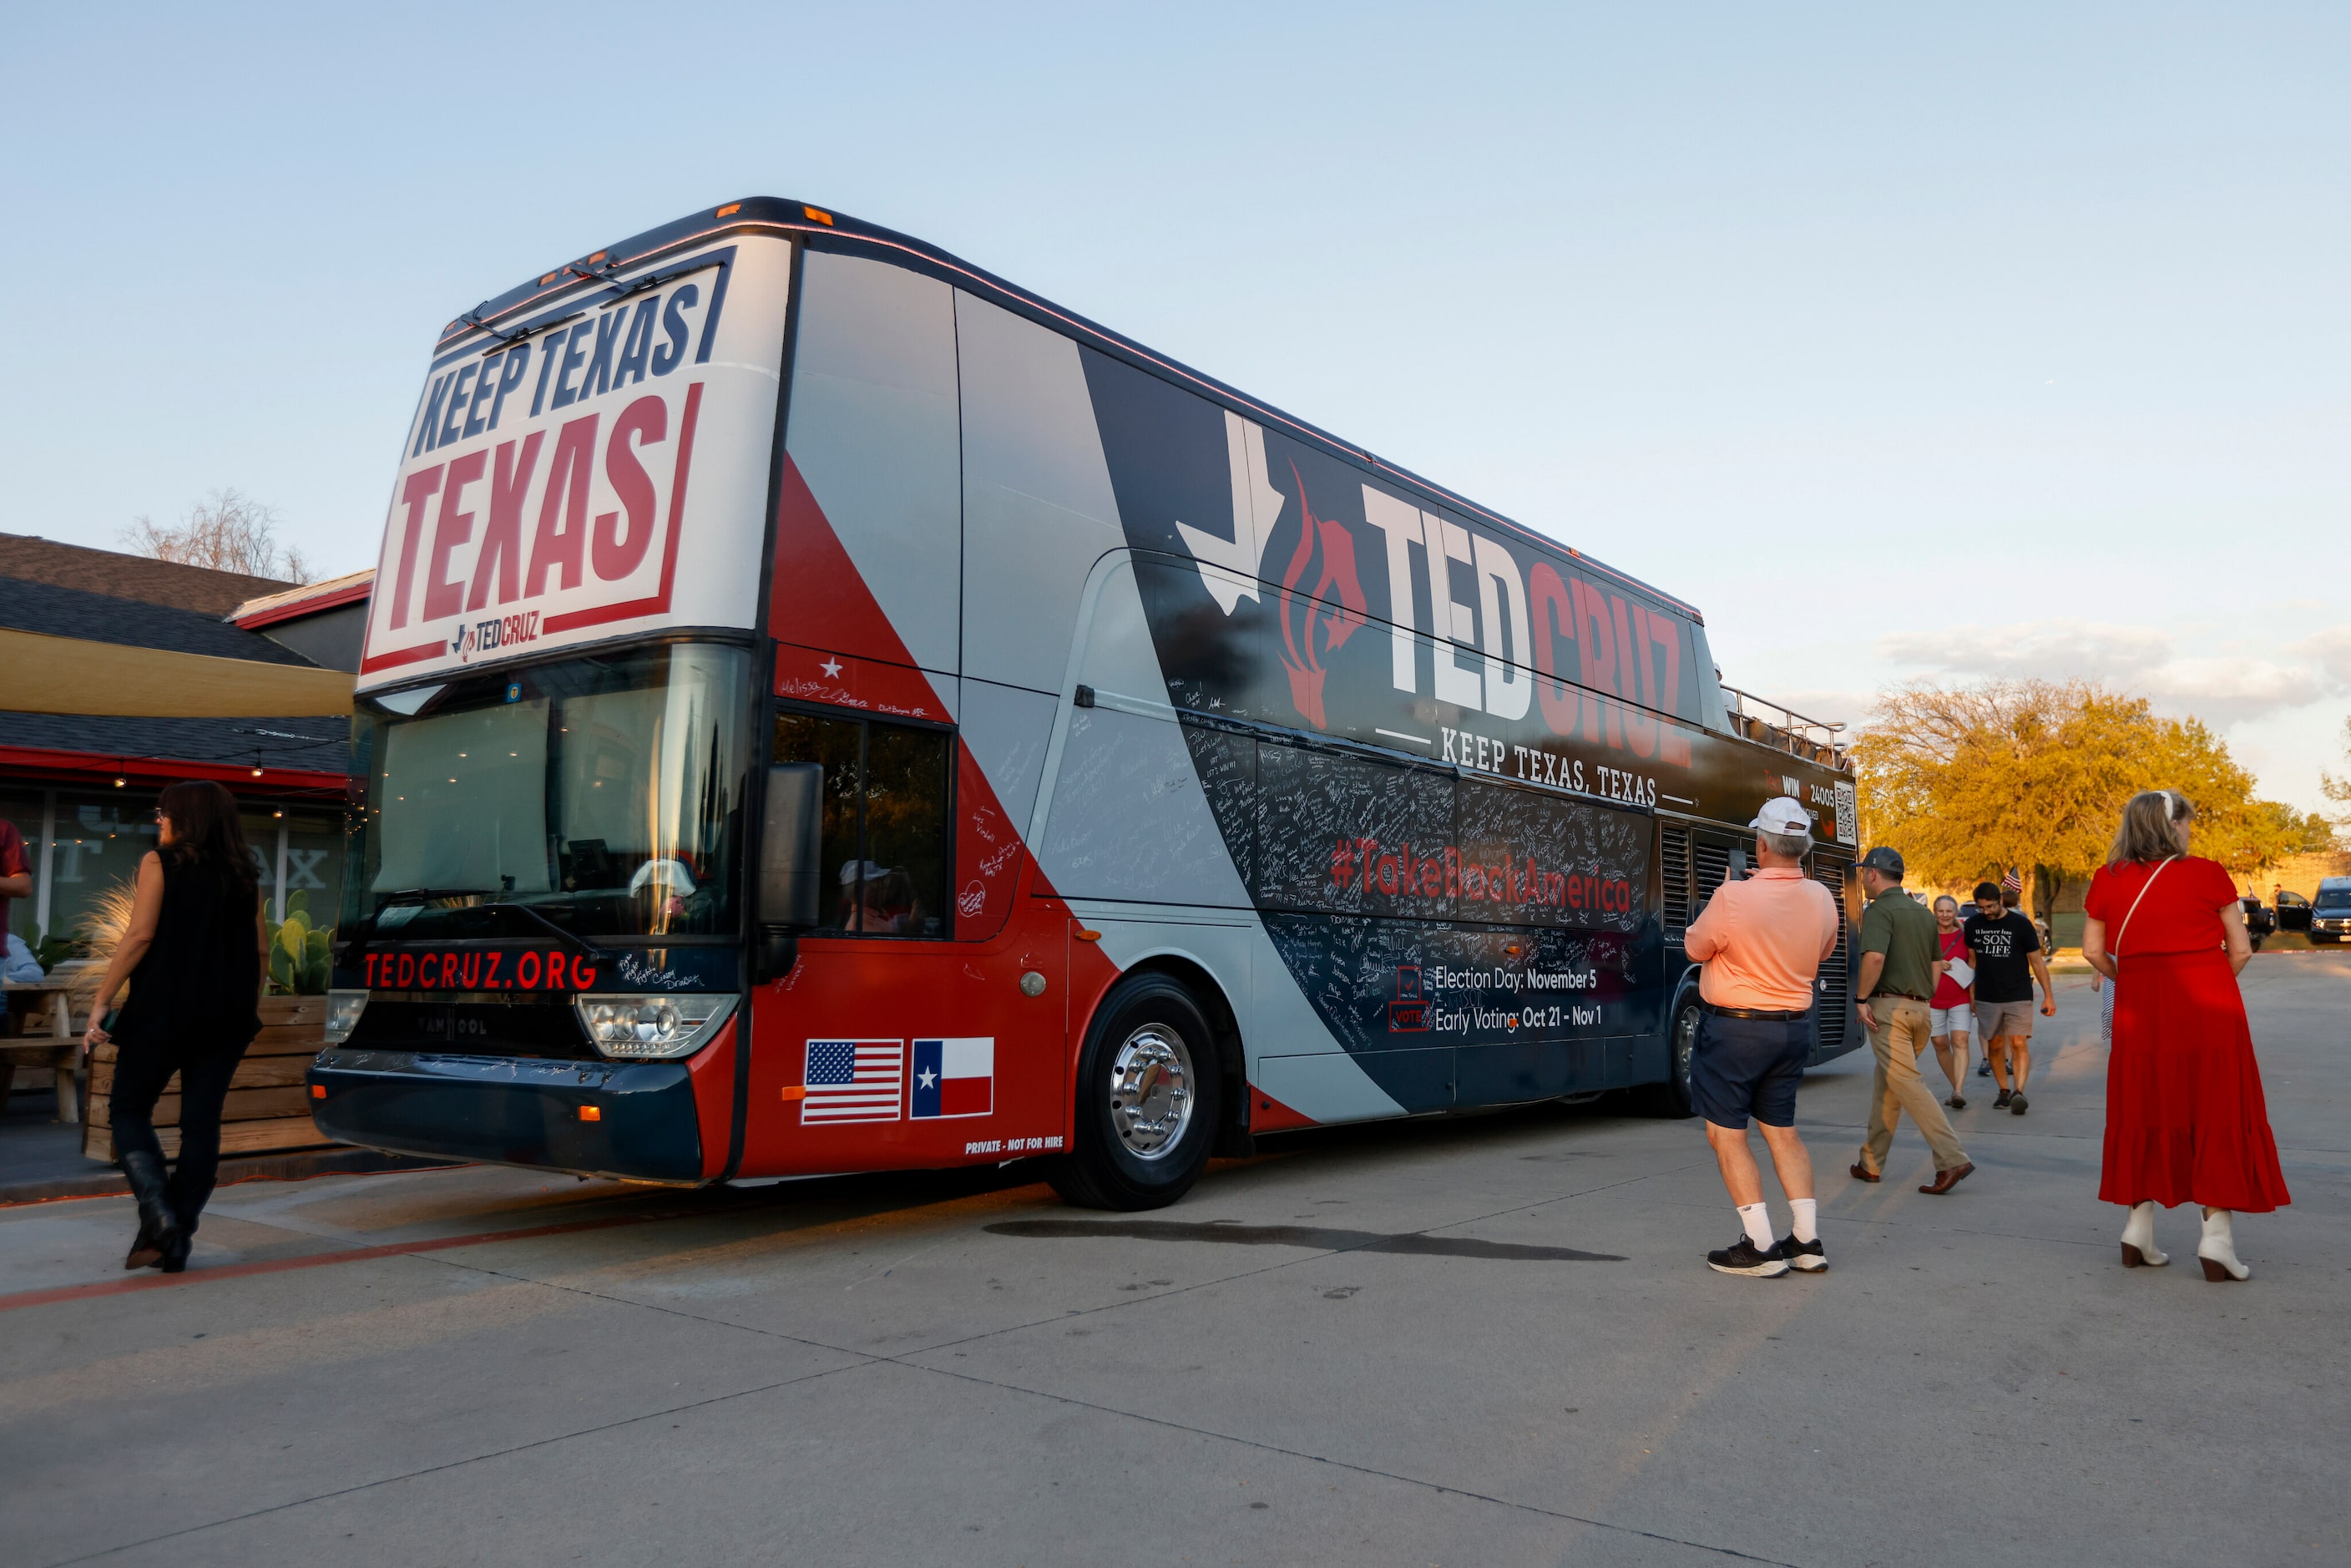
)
(1797, 734)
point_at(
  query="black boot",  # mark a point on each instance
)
(145, 1250)
(187, 1207)
(159, 1235)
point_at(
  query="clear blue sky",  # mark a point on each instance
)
(1904, 340)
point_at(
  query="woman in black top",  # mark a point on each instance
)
(194, 955)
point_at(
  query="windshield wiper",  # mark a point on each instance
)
(419, 894)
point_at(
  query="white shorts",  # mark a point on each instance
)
(1960, 1020)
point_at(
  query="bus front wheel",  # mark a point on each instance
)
(1148, 1100)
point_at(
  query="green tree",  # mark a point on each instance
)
(1968, 781)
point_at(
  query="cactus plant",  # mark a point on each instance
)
(298, 963)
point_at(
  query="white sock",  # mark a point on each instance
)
(1755, 1220)
(1804, 1219)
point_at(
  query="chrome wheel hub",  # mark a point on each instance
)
(1151, 1091)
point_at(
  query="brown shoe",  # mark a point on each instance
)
(1946, 1180)
(1863, 1173)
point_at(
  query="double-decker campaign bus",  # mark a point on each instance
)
(825, 708)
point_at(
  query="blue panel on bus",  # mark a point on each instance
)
(1523, 1070)
(1394, 984)
(514, 1111)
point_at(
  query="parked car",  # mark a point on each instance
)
(2293, 911)
(2330, 912)
(2259, 919)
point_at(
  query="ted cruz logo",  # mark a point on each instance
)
(487, 636)
(1303, 614)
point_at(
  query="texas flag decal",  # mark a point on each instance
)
(953, 1078)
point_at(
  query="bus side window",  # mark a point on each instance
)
(882, 870)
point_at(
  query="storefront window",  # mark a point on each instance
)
(297, 849)
(102, 834)
(24, 808)
(101, 838)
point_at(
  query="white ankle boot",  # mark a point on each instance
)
(2139, 1250)
(2218, 1251)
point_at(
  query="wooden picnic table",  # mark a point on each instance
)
(44, 1010)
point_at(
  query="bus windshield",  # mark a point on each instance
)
(605, 793)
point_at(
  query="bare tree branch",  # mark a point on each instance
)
(226, 532)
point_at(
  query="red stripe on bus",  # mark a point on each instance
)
(402, 656)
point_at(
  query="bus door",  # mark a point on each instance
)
(910, 1032)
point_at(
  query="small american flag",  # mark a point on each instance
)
(854, 1080)
(2011, 883)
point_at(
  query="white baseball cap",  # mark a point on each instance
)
(1783, 815)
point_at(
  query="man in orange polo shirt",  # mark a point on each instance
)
(1762, 941)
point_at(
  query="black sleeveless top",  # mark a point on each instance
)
(202, 972)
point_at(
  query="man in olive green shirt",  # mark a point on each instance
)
(1899, 967)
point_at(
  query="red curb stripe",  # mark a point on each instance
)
(152, 1282)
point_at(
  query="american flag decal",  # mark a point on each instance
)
(854, 1080)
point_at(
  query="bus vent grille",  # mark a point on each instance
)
(1836, 969)
(1713, 864)
(1673, 857)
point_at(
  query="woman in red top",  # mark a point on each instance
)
(2185, 1120)
(1951, 1010)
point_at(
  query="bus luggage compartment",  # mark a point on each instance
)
(634, 1120)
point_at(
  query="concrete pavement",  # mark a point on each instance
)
(1484, 1341)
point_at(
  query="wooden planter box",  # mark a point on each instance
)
(267, 1109)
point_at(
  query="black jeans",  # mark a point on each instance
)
(206, 1062)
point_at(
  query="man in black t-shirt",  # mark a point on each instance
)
(2008, 959)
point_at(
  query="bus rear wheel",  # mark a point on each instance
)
(1672, 1098)
(1148, 1100)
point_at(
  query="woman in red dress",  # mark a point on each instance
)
(2186, 1121)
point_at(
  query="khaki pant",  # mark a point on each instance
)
(1902, 1032)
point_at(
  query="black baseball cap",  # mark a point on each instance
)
(1886, 860)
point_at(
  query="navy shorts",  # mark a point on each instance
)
(1749, 1065)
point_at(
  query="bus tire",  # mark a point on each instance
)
(1149, 1095)
(1672, 1098)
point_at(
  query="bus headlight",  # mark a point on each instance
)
(343, 1010)
(638, 1028)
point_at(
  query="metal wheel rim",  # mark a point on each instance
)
(1152, 1091)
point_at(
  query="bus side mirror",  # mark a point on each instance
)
(790, 849)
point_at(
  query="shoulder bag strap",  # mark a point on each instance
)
(2114, 948)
